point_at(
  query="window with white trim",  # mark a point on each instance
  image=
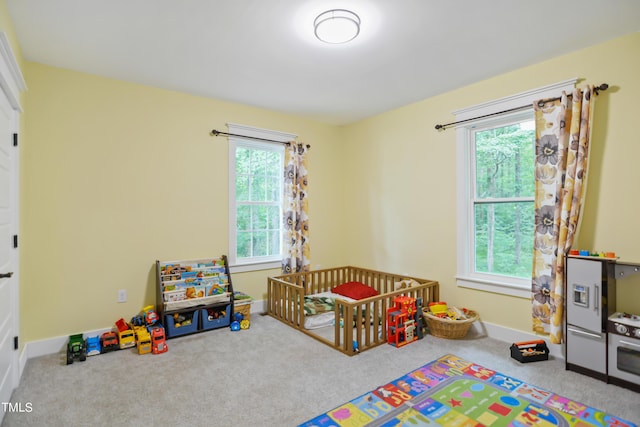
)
(255, 198)
(495, 190)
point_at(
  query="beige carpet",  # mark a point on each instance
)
(268, 375)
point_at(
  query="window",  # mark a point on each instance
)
(255, 198)
(496, 190)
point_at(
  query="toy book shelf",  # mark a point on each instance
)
(194, 295)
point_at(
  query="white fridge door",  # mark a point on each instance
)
(584, 293)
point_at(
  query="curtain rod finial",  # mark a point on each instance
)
(439, 127)
(603, 86)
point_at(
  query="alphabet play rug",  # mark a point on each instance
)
(451, 391)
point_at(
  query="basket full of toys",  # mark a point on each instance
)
(448, 322)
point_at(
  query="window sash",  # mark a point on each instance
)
(269, 261)
(467, 200)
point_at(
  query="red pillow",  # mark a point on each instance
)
(355, 290)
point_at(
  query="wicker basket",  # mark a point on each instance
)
(245, 309)
(448, 328)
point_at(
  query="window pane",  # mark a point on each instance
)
(274, 242)
(273, 217)
(259, 218)
(504, 161)
(243, 165)
(243, 217)
(243, 248)
(274, 189)
(260, 243)
(273, 163)
(242, 187)
(504, 238)
(259, 162)
(258, 188)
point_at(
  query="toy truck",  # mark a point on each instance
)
(144, 341)
(158, 340)
(76, 348)
(108, 342)
(126, 339)
(93, 346)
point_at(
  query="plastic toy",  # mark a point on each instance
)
(93, 346)
(215, 314)
(235, 325)
(76, 348)
(150, 315)
(401, 324)
(137, 320)
(438, 308)
(143, 341)
(126, 338)
(121, 325)
(109, 342)
(179, 320)
(244, 324)
(158, 340)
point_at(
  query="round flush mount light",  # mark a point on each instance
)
(337, 26)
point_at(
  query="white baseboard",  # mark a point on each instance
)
(479, 329)
(509, 335)
(57, 344)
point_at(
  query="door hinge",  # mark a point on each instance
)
(15, 343)
(15, 241)
(15, 139)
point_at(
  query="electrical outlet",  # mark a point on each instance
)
(122, 295)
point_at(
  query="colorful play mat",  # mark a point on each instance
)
(451, 391)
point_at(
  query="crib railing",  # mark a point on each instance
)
(285, 299)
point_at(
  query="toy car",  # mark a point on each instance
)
(76, 348)
(109, 342)
(93, 346)
(158, 341)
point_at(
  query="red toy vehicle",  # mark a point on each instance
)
(158, 343)
(109, 342)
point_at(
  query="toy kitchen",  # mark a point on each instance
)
(600, 341)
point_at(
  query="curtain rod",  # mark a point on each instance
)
(218, 133)
(603, 87)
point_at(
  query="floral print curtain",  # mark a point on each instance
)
(296, 211)
(562, 150)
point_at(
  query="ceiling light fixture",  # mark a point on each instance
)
(337, 26)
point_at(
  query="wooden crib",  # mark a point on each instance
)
(285, 296)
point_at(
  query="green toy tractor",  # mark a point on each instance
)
(76, 348)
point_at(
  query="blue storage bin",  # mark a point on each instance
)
(222, 320)
(173, 331)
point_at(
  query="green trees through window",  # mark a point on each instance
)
(503, 199)
(258, 201)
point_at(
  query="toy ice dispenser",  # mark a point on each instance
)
(580, 295)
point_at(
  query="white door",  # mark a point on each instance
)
(9, 369)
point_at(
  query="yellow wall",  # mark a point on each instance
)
(116, 175)
(403, 186)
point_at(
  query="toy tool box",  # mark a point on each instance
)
(530, 351)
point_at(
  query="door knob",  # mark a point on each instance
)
(6, 275)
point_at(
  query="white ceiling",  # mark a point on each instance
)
(263, 52)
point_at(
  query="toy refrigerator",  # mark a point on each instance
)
(590, 300)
